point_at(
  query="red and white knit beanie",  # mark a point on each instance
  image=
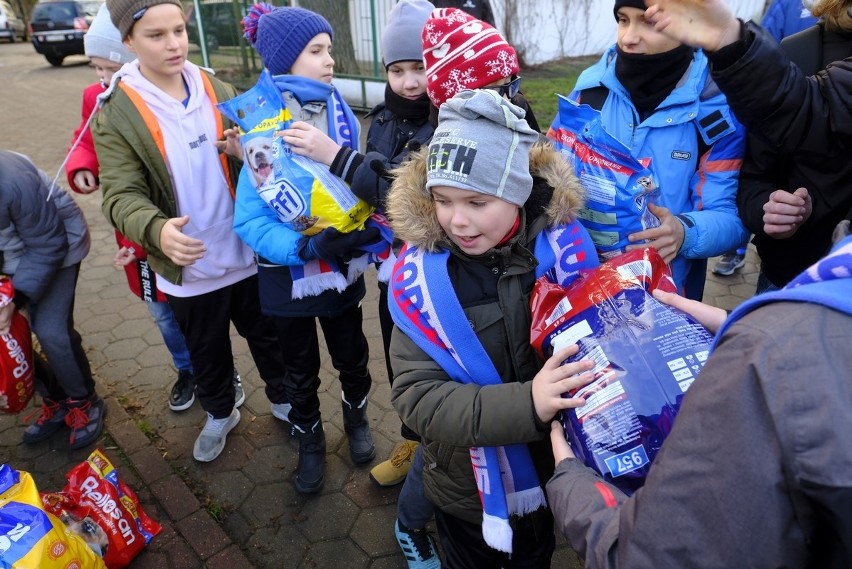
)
(462, 52)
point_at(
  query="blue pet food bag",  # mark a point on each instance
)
(303, 193)
(618, 187)
(646, 356)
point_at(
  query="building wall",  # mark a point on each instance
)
(541, 30)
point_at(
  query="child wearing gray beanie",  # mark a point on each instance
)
(484, 212)
(482, 143)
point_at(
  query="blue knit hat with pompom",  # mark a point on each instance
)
(280, 34)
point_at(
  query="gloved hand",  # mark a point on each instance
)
(330, 243)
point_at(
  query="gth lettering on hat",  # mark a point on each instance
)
(452, 156)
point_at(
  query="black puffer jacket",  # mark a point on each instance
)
(810, 119)
(389, 142)
(826, 173)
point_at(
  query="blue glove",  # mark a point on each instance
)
(331, 244)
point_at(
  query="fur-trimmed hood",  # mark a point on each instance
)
(556, 194)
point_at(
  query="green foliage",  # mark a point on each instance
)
(541, 85)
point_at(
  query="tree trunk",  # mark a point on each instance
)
(337, 14)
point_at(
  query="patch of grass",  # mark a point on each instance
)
(216, 510)
(542, 83)
(148, 430)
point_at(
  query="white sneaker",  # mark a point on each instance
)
(281, 411)
(211, 441)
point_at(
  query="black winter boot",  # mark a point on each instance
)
(361, 447)
(310, 473)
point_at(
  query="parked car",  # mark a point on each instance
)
(221, 25)
(12, 27)
(57, 27)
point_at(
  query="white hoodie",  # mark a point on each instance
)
(201, 190)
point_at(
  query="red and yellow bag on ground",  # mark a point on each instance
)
(30, 537)
(104, 510)
(17, 382)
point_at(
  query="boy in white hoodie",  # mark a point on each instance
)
(167, 188)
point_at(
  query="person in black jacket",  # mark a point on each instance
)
(806, 119)
(772, 182)
(479, 9)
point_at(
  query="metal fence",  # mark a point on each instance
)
(216, 41)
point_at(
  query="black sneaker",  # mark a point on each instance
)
(86, 419)
(51, 419)
(239, 394)
(183, 391)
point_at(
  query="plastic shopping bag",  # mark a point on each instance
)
(17, 382)
(618, 187)
(646, 356)
(32, 538)
(303, 193)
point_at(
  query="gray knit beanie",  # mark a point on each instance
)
(482, 143)
(125, 13)
(103, 40)
(401, 36)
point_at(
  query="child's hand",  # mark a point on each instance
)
(124, 257)
(708, 316)
(231, 144)
(309, 141)
(180, 248)
(85, 181)
(555, 379)
(6, 313)
(561, 448)
(667, 239)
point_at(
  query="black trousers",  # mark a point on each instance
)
(349, 352)
(386, 324)
(533, 542)
(205, 321)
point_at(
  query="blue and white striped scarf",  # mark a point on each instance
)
(424, 306)
(827, 282)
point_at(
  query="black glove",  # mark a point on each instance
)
(332, 244)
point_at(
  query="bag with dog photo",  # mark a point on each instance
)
(103, 510)
(32, 538)
(618, 186)
(303, 193)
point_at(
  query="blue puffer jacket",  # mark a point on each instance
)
(786, 17)
(700, 190)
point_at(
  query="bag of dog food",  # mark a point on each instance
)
(102, 509)
(303, 193)
(17, 382)
(618, 187)
(646, 356)
(32, 538)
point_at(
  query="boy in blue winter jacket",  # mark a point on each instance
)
(656, 97)
(295, 46)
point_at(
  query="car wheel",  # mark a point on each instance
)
(12, 38)
(212, 42)
(55, 60)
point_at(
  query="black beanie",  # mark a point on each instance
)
(628, 4)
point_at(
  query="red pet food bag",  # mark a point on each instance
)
(94, 493)
(17, 382)
(646, 356)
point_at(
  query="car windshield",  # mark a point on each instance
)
(53, 11)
